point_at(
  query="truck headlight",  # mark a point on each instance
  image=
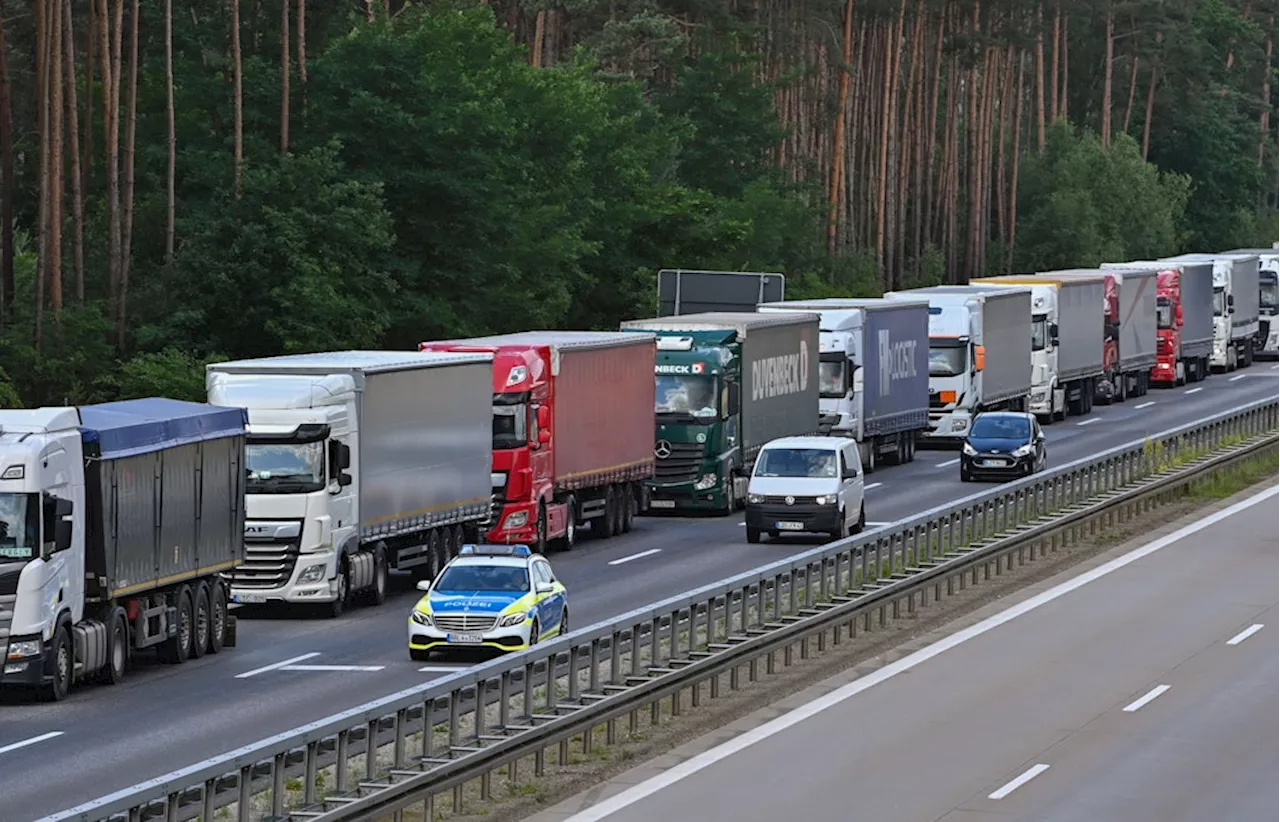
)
(1038, 396)
(516, 520)
(421, 618)
(24, 649)
(512, 619)
(313, 574)
(959, 424)
(755, 499)
(705, 482)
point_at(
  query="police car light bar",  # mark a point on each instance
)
(490, 550)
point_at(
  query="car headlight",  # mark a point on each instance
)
(421, 618)
(1022, 450)
(315, 573)
(755, 499)
(968, 450)
(826, 499)
(24, 649)
(516, 520)
(705, 482)
(512, 619)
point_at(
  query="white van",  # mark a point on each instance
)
(806, 484)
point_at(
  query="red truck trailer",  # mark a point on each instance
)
(573, 423)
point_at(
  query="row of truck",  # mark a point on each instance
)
(307, 479)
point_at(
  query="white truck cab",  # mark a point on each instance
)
(806, 484)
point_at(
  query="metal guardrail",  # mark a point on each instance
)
(495, 714)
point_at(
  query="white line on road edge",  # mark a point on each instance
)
(275, 665)
(1027, 775)
(948, 462)
(878, 524)
(1144, 405)
(1245, 634)
(13, 746)
(1089, 421)
(872, 485)
(333, 667)
(648, 553)
(1192, 390)
(1237, 377)
(711, 756)
(441, 669)
(1145, 698)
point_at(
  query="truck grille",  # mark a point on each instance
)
(682, 462)
(464, 623)
(7, 604)
(267, 565)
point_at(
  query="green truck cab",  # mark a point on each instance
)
(726, 383)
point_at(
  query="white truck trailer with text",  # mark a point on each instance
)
(358, 462)
(979, 354)
(1235, 307)
(873, 372)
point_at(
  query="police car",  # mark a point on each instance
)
(489, 596)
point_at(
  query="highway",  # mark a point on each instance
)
(1144, 689)
(105, 738)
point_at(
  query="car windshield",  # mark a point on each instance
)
(797, 462)
(489, 579)
(1001, 428)
(19, 527)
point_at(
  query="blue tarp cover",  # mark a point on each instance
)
(131, 427)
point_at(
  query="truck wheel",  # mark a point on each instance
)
(459, 538)
(217, 617)
(200, 622)
(377, 593)
(540, 540)
(335, 608)
(628, 508)
(609, 522)
(176, 649)
(117, 648)
(570, 538)
(911, 446)
(63, 667)
(872, 456)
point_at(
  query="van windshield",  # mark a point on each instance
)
(814, 463)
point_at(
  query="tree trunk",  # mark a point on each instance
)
(73, 132)
(1264, 119)
(1107, 71)
(237, 71)
(170, 188)
(1064, 111)
(1013, 175)
(838, 144)
(1054, 62)
(1040, 121)
(1151, 104)
(42, 25)
(53, 86)
(931, 191)
(1133, 87)
(284, 76)
(7, 181)
(109, 45)
(302, 41)
(539, 32)
(131, 128)
(973, 153)
(90, 54)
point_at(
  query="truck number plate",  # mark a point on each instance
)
(662, 503)
(466, 639)
(993, 463)
(790, 526)
(248, 599)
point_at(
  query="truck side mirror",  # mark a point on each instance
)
(979, 357)
(543, 416)
(344, 479)
(1053, 333)
(339, 456)
(850, 381)
(735, 399)
(1231, 300)
(1177, 314)
(57, 514)
(544, 436)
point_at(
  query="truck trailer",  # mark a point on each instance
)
(1130, 346)
(357, 462)
(1267, 344)
(1068, 340)
(979, 354)
(1184, 318)
(873, 372)
(1235, 307)
(116, 522)
(726, 383)
(573, 429)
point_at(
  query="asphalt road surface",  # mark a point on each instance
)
(106, 738)
(1144, 689)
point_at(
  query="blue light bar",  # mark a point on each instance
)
(491, 550)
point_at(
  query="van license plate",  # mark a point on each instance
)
(465, 639)
(662, 503)
(790, 526)
(248, 599)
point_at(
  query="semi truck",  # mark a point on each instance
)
(116, 521)
(979, 354)
(1184, 318)
(726, 383)
(572, 432)
(1267, 343)
(1235, 307)
(697, 292)
(1068, 340)
(357, 462)
(873, 372)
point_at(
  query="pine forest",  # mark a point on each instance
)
(186, 181)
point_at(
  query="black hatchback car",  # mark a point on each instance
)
(1002, 444)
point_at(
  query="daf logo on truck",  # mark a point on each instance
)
(781, 375)
(897, 361)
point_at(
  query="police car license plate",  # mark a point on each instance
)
(993, 463)
(248, 599)
(790, 526)
(466, 639)
(662, 503)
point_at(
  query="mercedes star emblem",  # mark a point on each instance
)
(662, 450)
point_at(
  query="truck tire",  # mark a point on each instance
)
(200, 623)
(217, 617)
(872, 456)
(334, 609)
(459, 538)
(628, 507)
(540, 538)
(62, 666)
(176, 649)
(570, 538)
(376, 594)
(609, 522)
(117, 648)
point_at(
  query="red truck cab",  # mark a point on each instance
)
(1168, 327)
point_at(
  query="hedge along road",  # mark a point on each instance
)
(164, 718)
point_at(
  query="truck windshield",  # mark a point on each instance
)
(510, 426)
(797, 462)
(947, 361)
(1219, 302)
(831, 378)
(1164, 313)
(1039, 333)
(284, 467)
(1268, 297)
(685, 396)
(19, 527)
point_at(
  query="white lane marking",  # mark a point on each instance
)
(273, 666)
(333, 668)
(1245, 634)
(707, 758)
(878, 524)
(1011, 786)
(1090, 421)
(1145, 698)
(648, 553)
(13, 746)
(872, 485)
(441, 669)
(1144, 405)
(948, 462)
(1237, 377)
(1192, 390)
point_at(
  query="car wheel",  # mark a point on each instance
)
(965, 474)
(534, 631)
(419, 655)
(564, 622)
(862, 518)
(753, 535)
